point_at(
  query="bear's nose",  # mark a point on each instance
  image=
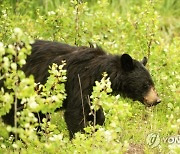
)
(157, 101)
(154, 103)
(152, 98)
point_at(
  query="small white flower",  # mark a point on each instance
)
(54, 98)
(1, 44)
(126, 144)
(178, 121)
(15, 146)
(51, 13)
(33, 104)
(117, 96)
(108, 135)
(51, 138)
(3, 146)
(10, 46)
(30, 114)
(14, 66)
(26, 125)
(17, 30)
(59, 136)
(174, 126)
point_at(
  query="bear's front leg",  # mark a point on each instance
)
(100, 118)
(75, 120)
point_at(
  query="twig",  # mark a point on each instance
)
(15, 114)
(149, 48)
(77, 22)
(15, 97)
(82, 101)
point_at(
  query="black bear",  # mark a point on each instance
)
(85, 65)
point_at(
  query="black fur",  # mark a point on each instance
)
(128, 76)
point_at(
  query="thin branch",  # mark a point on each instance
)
(82, 101)
(77, 22)
(15, 114)
(15, 97)
(149, 48)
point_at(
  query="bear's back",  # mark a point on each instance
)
(44, 53)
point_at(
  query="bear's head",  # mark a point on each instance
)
(137, 82)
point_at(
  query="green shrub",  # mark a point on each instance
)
(141, 28)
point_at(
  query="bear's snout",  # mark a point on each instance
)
(151, 98)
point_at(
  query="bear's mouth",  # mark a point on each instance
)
(151, 98)
(151, 105)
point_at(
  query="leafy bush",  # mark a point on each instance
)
(140, 28)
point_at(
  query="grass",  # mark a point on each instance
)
(118, 26)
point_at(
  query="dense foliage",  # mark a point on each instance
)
(141, 28)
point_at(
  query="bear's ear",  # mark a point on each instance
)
(127, 62)
(144, 61)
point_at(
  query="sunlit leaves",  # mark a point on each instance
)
(53, 92)
(30, 97)
(118, 26)
(100, 91)
(6, 101)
